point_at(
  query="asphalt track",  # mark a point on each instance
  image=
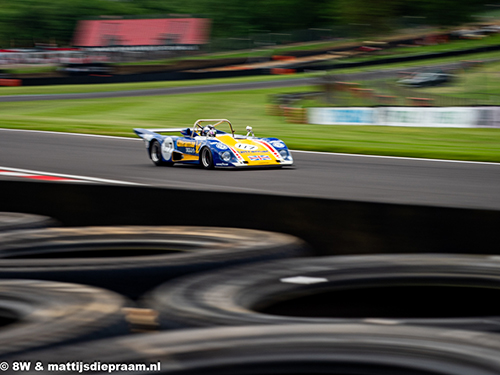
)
(338, 176)
(163, 91)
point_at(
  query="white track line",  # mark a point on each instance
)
(397, 157)
(75, 134)
(82, 178)
(298, 151)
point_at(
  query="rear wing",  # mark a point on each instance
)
(149, 133)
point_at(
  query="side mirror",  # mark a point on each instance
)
(249, 131)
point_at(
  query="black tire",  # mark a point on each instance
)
(339, 349)
(155, 154)
(134, 259)
(17, 220)
(435, 290)
(39, 314)
(206, 158)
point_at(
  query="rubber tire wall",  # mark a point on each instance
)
(300, 349)
(237, 296)
(46, 314)
(134, 259)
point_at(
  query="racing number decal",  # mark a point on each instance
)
(246, 147)
(167, 148)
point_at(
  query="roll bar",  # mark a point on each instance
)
(215, 122)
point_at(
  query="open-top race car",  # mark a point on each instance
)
(213, 143)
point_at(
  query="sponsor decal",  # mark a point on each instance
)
(221, 146)
(346, 116)
(259, 157)
(442, 117)
(278, 144)
(184, 143)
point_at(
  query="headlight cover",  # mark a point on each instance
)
(226, 156)
(283, 153)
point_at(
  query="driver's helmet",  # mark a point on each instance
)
(209, 131)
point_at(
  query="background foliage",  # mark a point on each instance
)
(25, 22)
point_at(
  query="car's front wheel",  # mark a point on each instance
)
(206, 158)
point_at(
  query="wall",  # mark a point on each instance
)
(330, 226)
(443, 117)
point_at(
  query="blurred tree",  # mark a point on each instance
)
(24, 22)
(284, 15)
(368, 16)
(446, 12)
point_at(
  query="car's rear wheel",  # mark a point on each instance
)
(206, 158)
(155, 153)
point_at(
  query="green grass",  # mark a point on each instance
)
(118, 116)
(33, 69)
(481, 84)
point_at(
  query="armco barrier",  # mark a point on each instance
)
(330, 226)
(146, 77)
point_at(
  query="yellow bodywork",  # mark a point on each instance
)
(252, 152)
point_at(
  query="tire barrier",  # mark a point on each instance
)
(39, 314)
(435, 290)
(17, 220)
(134, 259)
(295, 115)
(299, 349)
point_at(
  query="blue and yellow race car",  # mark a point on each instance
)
(212, 143)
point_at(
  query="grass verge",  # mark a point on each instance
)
(118, 116)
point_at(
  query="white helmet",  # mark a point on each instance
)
(209, 131)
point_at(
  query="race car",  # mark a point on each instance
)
(212, 143)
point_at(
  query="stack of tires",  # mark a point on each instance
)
(201, 300)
